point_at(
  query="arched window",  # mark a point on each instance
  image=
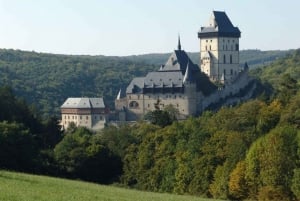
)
(133, 104)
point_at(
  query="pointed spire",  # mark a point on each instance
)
(179, 45)
(119, 95)
(187, 75)
(223, 77)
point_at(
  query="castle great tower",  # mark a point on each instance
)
(219, 48)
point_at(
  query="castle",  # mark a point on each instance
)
(86, 112)
(190, 88)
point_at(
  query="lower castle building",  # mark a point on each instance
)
(190, 88)
(86, 112)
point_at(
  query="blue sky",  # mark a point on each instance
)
(128, 27)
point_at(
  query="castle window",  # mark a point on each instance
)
(148, 105)
(206, 40)
(224, 72)
(224, 59)
(95, 117)
(231, 72)
(101, 118)
(231, 59)
(80, 117)
(210, 47)
(210, 40)
(68, 117)
(133, 104)
(226, 47)
(206, 48)
(237, 47)
(87, 117)
(177, 105)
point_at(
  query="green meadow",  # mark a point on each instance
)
(26, 187)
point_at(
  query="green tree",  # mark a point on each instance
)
(237, 183)
(287, 88)
(296, 183)
(82, 155)
(18, 149)
(270, 162)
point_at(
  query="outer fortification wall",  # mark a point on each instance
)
(227, 94)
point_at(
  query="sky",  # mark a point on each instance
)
(133, 27)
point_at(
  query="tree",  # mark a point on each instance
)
(287, 88)
(270, 162)
(82, 155)
(18, 149)
(296, 183)
(163, 117)
(237, 183)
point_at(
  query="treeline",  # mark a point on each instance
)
(46, 80)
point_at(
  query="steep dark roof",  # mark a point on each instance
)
(136, 85)
(222, 27)
(178, 61)
(154, 80)
(171, 75)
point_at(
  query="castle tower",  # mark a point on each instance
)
(219, 48)
(190, 90)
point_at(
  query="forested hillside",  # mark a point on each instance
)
(46, 80)
(272, 73)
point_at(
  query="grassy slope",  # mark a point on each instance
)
(25, 187)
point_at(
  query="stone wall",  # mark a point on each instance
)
(228, 92)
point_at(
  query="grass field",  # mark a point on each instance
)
(25, 187)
